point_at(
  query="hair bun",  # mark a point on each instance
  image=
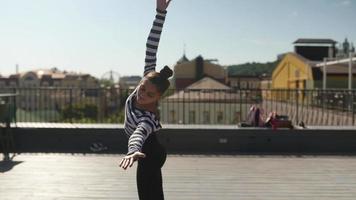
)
(166, 72)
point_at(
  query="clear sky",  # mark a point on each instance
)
(95, 36)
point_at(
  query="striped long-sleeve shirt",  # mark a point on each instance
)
(140, 123)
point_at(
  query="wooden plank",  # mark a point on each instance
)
(64, 176)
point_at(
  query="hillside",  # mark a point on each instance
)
(252, 69)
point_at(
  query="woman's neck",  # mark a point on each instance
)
(148, 107)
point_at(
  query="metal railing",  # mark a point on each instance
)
(106, 105)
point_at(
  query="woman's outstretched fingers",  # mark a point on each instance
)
(121, 162)
(126, 163)
(131, 162)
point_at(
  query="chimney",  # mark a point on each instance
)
(199, 68)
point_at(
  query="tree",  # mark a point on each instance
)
(80, 111)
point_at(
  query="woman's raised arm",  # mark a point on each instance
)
(163, 4)
(154, 36)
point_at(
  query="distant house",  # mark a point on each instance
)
(3, 81)
(49, 78)
(206, 101)
(266, 82)
(129, 82)
(249, 76)
(300, 69)
(315, 49)
(73, 88)
(187, 72)
(11, 81)
(245, 82)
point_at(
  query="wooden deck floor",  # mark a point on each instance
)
(65, 176)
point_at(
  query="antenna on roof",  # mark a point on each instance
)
(17, 68)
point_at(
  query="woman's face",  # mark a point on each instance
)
(147, 93)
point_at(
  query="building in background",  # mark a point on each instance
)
(249, 75)
(49, 78)
(129, 82)
(344, 49)
(300, 69)
(206, 101)
(187, 72)
(315, 49)
(44, 92)
(245, 82)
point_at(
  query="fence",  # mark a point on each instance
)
(105, 105)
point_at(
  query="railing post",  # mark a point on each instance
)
(99, 104)
(183, 109)
(353, 93)
(240, 104)
(71, 104)
(297, 106)
(350, 71)
(15, 106)
(102, 104)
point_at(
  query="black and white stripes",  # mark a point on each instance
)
(139, 123)
(153, 41)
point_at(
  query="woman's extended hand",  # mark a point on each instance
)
(129, 160)
(162, 5)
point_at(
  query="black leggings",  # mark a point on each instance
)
(149, 176)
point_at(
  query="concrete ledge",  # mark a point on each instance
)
(199, 140)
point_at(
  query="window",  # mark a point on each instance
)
(172, 117)
(297, 73)
(206, 117)
(219, 117)
(29, 78)
(192, 117)
(253, 85)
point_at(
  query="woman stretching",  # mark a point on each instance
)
(142, 119)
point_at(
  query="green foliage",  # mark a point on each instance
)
(106, 82)
(116, 118)
(88, 113)
(85, 112)
(252, 69)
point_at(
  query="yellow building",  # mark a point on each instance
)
(293, 72)
(296, 72)
(304, 69)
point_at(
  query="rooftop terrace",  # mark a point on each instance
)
(66, 176)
